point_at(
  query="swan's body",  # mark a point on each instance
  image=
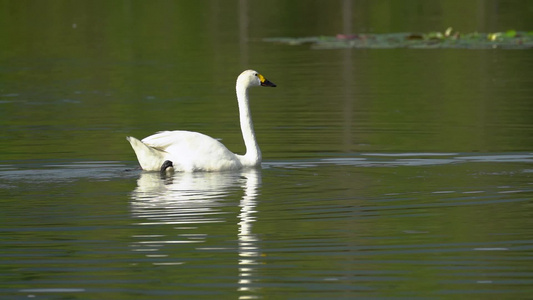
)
(192, 151)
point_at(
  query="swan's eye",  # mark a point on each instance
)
(255, 74)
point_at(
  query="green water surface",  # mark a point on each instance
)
(387, 173)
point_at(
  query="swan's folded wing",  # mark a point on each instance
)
(179, 138)
(193, 151)
(164, 139)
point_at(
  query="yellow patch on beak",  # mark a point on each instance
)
(261, 78)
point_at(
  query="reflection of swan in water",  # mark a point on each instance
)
(248, 249)
(184, 198)
(193, 199)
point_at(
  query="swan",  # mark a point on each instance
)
(188, 151)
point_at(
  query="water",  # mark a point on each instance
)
(387, 173)
(371, 225)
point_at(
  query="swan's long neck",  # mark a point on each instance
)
(253, 153)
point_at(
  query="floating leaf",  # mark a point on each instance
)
(448, 32)
(510, 33)
(435, 35)
(493, 36)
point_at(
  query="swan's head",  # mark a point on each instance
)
(250, 78)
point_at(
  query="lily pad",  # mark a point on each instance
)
(510, 39)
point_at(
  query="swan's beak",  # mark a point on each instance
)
(268, 83)
(265, 82)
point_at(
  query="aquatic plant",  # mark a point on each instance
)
(510, 39)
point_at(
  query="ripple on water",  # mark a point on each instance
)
(356, 224)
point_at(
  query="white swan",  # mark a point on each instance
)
(192, 151)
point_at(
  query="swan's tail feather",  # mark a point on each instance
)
(149, 158)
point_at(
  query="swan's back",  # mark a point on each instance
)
(193, 151)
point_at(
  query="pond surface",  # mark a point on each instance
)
(398, 173)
